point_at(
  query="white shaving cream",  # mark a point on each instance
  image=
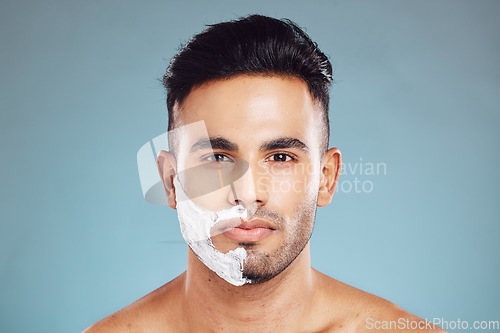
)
(196, 223)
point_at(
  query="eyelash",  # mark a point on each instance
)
(287, 155)
(212, 158)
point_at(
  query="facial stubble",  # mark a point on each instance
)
(261, 266)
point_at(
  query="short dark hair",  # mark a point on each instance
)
(255, 44)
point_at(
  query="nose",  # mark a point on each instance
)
(250, 189)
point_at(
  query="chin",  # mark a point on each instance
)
(254, 279)
(259, 267)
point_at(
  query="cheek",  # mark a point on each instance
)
(214, 201)
(300, 178)
(205, 185)
(292, 187)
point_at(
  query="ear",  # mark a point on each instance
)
(330, 172)
(167, 169)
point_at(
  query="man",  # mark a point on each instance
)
(248, 165)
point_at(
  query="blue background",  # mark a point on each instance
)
(417, 88)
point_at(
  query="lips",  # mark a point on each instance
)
(248, 231)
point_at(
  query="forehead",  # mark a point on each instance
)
(251, 109)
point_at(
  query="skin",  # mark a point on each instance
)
(249, 111)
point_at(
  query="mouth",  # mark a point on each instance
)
(247, 231)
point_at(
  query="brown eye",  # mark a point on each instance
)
(219, 158)
(280, 157)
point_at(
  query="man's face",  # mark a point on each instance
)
(270, 128)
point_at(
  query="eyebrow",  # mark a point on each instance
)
(214, 143)
(284, 143)
(221, 143)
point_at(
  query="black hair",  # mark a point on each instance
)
(251, 45)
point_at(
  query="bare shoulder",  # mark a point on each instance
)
(389, 317)
(354, 310)
(153, 312)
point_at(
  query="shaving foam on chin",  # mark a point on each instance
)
(196, 223)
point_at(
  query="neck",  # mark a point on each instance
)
(211, 302)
